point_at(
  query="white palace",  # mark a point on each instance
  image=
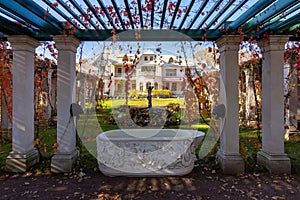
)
(160, 70)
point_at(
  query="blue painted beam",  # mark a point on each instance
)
(40, 12)
(287, 24)
(223, 10)
(276, 9)
(163, 15)
(118, 14)
(110, 19)
(234, 10)
(198, 13)
(276, 19)
(10, 28)
(152, 14)
(62, 14)
(91, 7)
(27, 16)
(152, 35)
(71, 12)
(251, 12)
(129, 13)
(186, 14)
(175, 13)
(149, 35)
(24, 23)
(82, 12)
(140, 13)
(210, 12)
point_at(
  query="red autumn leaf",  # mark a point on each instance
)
(185, 9)
(19, 23)
(125, 13)
(110, 9)
(286, 126)
(171, 5)
(240, 31)
(46, 14)
(55, 4)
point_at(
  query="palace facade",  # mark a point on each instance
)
(161, 71)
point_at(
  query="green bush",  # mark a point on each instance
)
(173, 114)
(162, 93)
(134, 93)
(155, 93)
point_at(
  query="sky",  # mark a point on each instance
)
(209, 8)
(91, 49)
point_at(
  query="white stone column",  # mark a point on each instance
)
(67, 154)
(23, 154)
(250, 101)
(293, 101)
(81, 89)
(228, 155)
(272, 154)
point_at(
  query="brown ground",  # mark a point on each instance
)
(203, 183)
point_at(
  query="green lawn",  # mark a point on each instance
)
(89, 128)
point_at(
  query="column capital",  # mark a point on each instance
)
(22, 42)
(229, 43)
(275, 42)
(66, 42)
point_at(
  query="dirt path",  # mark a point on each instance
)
(202, 183)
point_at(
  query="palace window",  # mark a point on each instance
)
(148, 69)
(174, 87)
(133, 86)
(148, 84)
(119, 72)
(171, 72)
(141, 87)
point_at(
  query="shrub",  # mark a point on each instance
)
(173, 114)
(162, 93)
(134, 93)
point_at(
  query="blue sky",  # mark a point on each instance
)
(172, 48)
(159, 6)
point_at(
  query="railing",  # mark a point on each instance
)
(122, 75)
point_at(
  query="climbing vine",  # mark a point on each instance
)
(6, 79)
(292, 79)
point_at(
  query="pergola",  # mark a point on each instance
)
(25, 22)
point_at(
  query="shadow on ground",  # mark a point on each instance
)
(205, 182)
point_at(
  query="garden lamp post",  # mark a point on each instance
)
(149, 97)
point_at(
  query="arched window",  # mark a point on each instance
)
(148, 84)
(156, 86)
(141, 87)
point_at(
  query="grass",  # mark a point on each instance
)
(89, 128)
(5, 148)
(292, 148)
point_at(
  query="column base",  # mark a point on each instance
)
(64, 162)
(275, 163)
(231, 164)
(21, 162)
